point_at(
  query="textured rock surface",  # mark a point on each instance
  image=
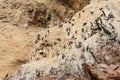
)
(86, 47)
(16, 37)
(20, 12)
(37, 12)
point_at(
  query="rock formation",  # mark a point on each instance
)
(86, 47)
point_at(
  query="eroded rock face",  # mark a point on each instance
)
(38, 12)
(14, 11)
(86, 47)
(46, 12)
(29, 12)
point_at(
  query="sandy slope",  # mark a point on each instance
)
(15, 46)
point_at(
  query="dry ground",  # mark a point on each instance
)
(15, 45)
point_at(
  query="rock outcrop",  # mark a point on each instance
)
(86, 47)
(36, 12)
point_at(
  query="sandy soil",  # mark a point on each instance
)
(16, 44)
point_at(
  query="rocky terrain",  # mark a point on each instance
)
(84, 47)
(20, 22)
